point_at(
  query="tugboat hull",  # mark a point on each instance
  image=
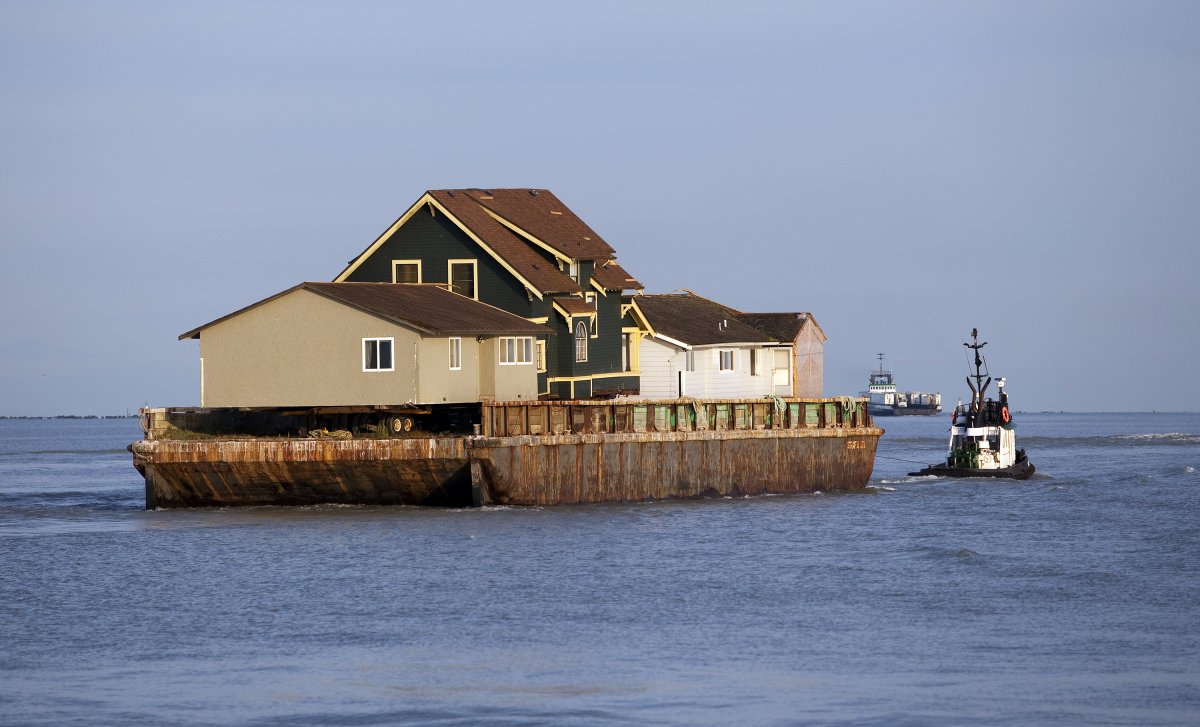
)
(1021, 470)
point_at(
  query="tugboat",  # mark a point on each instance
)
(983, 442)
(885, 401)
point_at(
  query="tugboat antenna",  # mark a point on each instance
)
(880, 355)
(980, 367)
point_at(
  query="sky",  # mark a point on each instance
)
(905, 171)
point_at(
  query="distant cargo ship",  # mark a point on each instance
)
(884, 400)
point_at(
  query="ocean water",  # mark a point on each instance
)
(1070, 598)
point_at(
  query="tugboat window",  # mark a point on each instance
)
(377, 354)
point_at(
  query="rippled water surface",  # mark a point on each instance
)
(1070, 598)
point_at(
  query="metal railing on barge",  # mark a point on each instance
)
(621, 416)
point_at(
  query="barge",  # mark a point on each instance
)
(517, 453)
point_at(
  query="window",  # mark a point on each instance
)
(463, 278)
(455, 354)
(689, 360)
(726, 360)
(581, 340)
(541, 355)
(573, 271)
(516, 350)
(754, 362)
(627, 352)
(406, 271)
(377, 354)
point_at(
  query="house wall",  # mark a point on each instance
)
(810, 363)
(303, 350)
(510, 382)
(434, 240)
(661, 363)
(660, 369)
(438, 383)
(735, 384)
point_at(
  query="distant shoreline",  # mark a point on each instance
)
(76, 416)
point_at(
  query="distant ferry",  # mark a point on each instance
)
(884, 400)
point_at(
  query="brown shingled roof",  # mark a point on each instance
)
(697, 321)
(612, 276)
(575, 306)
(542, 215)
(521, 227)
(516, 251)
(784, 326)
(430, 309)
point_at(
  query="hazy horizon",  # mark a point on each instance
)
(904, 172)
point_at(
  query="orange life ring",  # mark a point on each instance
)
(1004, 417)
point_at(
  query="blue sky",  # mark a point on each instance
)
(904, 171)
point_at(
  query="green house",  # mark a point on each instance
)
(524, 251)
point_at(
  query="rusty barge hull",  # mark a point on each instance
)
(520, 470)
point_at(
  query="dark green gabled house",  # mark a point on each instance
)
(524, 251)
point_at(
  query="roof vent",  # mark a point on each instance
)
(533, 193)
(555, 212)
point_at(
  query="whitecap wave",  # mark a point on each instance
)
(1160, 437)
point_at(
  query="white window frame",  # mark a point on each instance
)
(573, 271)
(721, 369)
(406, 262)
(391, 345)
(474, 274)
(754, 362)
(689, 360)
(455, 353)
(521, 353)
(581, 342)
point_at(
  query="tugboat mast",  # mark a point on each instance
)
(978, 386)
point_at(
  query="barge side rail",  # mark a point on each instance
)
(523, 418)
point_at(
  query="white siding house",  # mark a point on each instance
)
(697, 347)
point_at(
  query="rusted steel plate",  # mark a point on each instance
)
(631, 467)
(523, 470)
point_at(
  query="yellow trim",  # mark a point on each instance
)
(539, 319)
(407, 262)
(597, 286)
(425, 198)
(428, 199)
(639, 316)
(568, 316)
(616, 375)
(595, 303)
(474, 274)
(525, 234)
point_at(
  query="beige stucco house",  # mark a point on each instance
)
(355, 344)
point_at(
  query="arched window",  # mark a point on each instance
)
(581, 339)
